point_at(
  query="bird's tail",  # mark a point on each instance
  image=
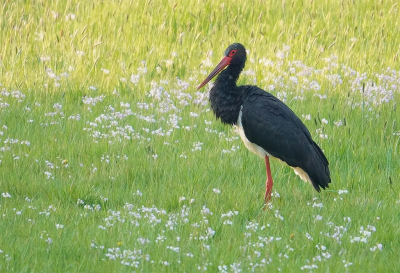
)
(320, 175)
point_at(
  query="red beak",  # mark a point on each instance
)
(222, 64)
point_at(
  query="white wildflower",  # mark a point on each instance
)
(6, 195)
(217, 191)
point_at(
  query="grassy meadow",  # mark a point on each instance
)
(111, 160)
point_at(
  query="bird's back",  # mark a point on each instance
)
(270, 124)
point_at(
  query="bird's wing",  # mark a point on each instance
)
(270, 124)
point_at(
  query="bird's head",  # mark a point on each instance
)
(235, 55)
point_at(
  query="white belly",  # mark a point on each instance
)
(261, 152)
(249, 145)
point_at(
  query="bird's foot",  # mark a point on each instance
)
(267, 200)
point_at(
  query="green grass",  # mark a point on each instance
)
(113, 179)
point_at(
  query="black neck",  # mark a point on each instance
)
(226, 97)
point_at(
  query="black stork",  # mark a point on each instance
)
(266, 125)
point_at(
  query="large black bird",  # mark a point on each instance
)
(266, 125)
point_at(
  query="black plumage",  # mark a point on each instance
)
(269, 123)
(267, 126)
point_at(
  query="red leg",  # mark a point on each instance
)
(269, 183)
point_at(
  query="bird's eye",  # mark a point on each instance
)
(232, 52)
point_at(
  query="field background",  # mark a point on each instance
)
(110, 160)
